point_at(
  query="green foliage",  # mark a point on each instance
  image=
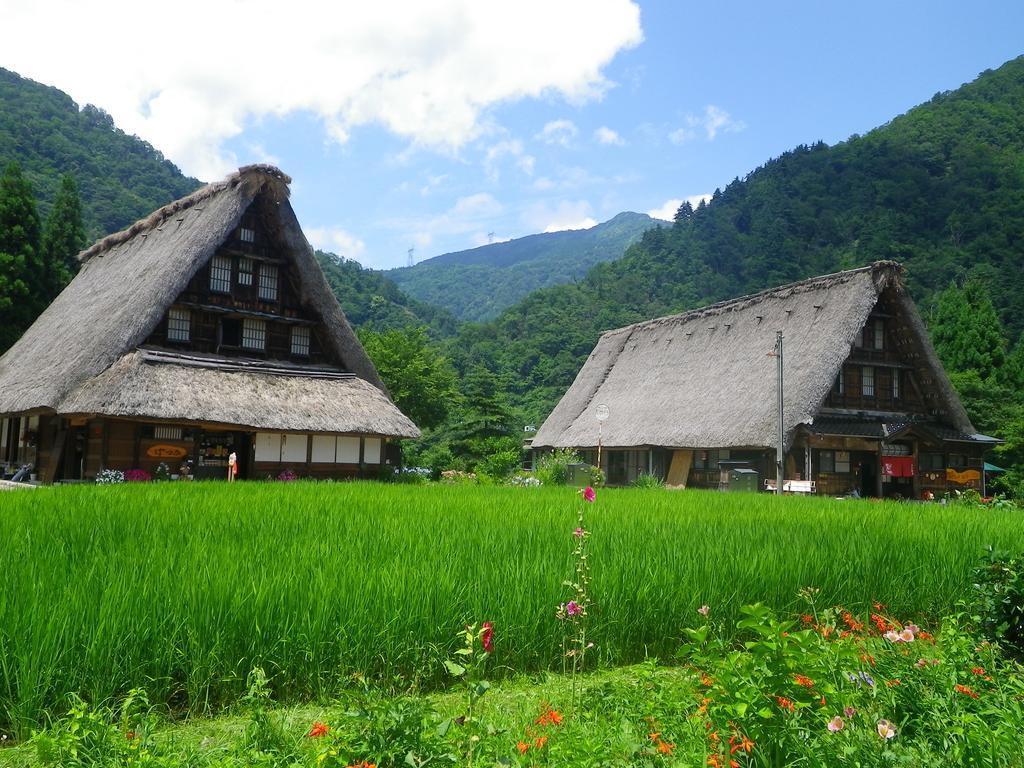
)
(966, 331)
(20, 264)
(999, 600)
(477, 284)
(420, 379)
(63, 238)
(122, 178)
(553, 467)
(648, 481)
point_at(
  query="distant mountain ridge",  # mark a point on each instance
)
(477, 284)
(121, 178)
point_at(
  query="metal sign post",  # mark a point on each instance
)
(602, 416)
(780, 458)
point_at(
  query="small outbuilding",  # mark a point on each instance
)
(868, 408)
(204, 330)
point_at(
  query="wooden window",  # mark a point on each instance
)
(839, 386)
(268, 282)
(879, 333)
(957, 460)
(931, 462)
(867, 381)
(293, 448)
(348, 450)
(254, 333)
(371, 450)
(268, 446)
(826, 461)
(300, 340)
(323, 449)
(247, 234)
(843, 462)
(168, 433)
(220, 274)
(179, 324)
(245, 271)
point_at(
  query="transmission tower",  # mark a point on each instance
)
(410, 261)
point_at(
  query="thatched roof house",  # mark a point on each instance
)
(211, 322)
(687, 392)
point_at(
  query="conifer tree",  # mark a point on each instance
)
(63, 238)
(19, 256)
(966, 331)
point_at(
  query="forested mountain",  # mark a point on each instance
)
(372, 302)
(120, 177)
(478, 283)
(940, 189)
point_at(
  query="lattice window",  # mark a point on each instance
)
(247, 234)
(896, 376)
(179, 324)
(268, 282)
(300, 340)
(246, 269)
(867, 381)
(879, 333)
(254, 333)
(220, 274)
(168, 433)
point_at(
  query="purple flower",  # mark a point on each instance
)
(572, 608)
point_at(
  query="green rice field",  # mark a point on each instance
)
(183, 588)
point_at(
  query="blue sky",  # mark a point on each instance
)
(442, 124)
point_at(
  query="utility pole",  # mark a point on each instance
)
(780, 457)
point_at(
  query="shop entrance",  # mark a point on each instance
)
(213, 451)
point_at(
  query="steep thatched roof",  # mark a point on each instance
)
(704, 379)
(178, 388)
(128, 280)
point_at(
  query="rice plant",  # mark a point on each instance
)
(182, 589)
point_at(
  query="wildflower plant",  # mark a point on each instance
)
(573, 612)
(469, 668)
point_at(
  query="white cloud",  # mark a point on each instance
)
(560, 132)
(605, 135)
(667, 210)
(336, 240)
(508, 148)
(715, 120)
(470, 215)
(565, 214)
(428, 71)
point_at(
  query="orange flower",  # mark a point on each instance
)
(665, 748)
(522, 746)
(540, 742)
(744, 743)
(979, 671)
(319, 729)
(714, 761)
(705, 680)
(129, 735)
(893, 683)
(653, 736)
(714, 737)
(554, 717)
(880, 622)
(806, 682)
(364, 764)
(822, 701)
(965, 691)
(733, 764)
(785, 703)
(807, 619)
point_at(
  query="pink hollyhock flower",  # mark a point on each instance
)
(704, 610)
(588, 494)
(572, 608)
(579, 533)
(835, 724)
(886, 729)
(487, 637)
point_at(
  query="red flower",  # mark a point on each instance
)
(319, 729)
(965, 691)
(588, 494)
(486, 637)
(786, 704)
(806, 682)
(979, 671)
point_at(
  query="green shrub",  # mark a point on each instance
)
(648, 481)
(999, 599)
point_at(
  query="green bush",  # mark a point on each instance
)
(648, 481)
(999, 600)
(553, 468)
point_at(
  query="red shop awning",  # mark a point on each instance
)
(898, 466)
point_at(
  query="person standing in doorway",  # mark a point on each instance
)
(232, 466)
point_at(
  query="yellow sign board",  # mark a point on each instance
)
(967, 476)
(166, 452)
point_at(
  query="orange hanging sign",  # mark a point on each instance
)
(166, 452)
(967, 476)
